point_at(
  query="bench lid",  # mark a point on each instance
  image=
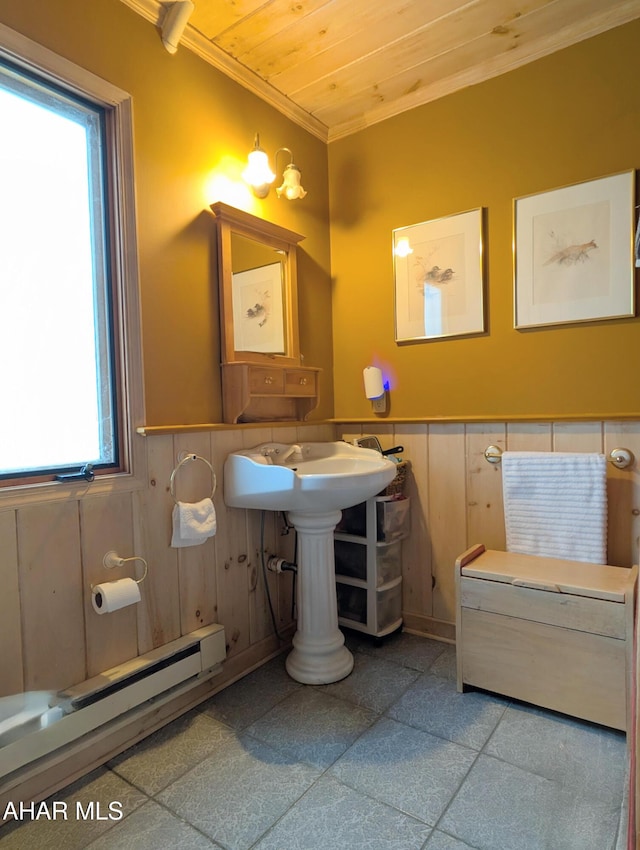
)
(553, 574)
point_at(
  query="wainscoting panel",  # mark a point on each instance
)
(51, 595)
(52, 552)
(159, 612)
(106, 524)
(457, 498)
(196, 564)
(447, 510)
(485, 509)
(623, 494)
(11, 679)
(418, 592)
(231, 550)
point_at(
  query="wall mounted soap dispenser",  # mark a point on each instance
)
(374, 388)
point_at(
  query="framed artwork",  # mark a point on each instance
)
(438, 275)
(573, 253)
(258, 314)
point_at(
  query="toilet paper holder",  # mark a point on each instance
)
(112, 559)
(110, 596)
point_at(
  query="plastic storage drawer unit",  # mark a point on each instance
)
(377, 610)
(368, 553)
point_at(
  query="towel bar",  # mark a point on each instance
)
(620, 458)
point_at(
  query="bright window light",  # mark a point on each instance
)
(55, 362)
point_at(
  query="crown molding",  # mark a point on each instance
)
(192, 39)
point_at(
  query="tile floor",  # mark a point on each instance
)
(391, 758)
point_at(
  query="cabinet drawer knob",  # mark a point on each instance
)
(268, 379)
(303, 381)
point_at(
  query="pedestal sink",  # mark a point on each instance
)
(312, 482)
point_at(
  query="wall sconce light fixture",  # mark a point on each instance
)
(259, 176)
(257, 173)
(291, 187)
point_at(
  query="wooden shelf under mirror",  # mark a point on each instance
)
(252, 392)
(262, 375)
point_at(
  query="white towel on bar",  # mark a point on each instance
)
(555, 504)
(193, 523)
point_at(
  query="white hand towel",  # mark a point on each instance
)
(555, 504)
(193, 523)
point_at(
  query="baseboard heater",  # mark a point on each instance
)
(164, 672)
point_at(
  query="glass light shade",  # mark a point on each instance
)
(291, 187)
(257, 173)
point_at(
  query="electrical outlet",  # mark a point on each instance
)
(379, 405)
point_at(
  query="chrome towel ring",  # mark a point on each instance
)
(187, 459)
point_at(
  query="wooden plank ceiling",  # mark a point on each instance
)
(336, 66)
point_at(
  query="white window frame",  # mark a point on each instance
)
(37, 59)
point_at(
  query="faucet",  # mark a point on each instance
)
(294, 452)
(268, 453)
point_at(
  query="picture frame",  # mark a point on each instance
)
(258, 311)
(439, 278)
(247, 245)
(573, 253)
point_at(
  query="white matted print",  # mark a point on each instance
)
(258, 317)
(573, 257)
(439, 289)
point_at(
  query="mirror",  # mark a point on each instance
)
(258, 288)
(258, 292)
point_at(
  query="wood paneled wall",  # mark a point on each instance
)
(51, 553)
(457, 498)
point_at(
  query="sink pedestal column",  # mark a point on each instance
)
(319, 655)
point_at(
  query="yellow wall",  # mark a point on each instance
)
(191, 123)
(571, 117)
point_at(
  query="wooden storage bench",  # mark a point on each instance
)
(555, 633)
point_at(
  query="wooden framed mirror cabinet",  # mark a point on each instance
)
(263, 378)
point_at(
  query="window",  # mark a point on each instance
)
(67, 301)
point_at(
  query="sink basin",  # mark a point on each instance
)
(310, 477)
(312, 482)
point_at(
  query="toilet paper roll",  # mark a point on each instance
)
(113, 595)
